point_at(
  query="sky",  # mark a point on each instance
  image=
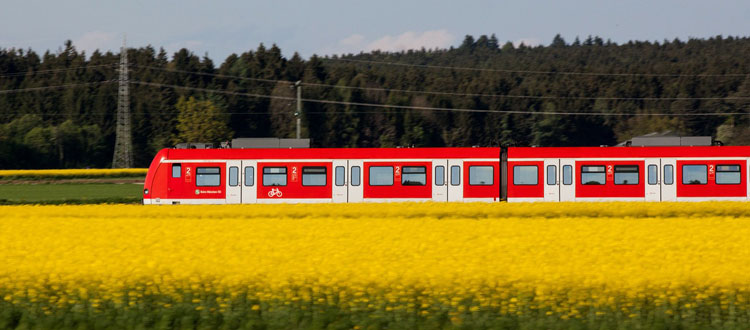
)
(222, 27)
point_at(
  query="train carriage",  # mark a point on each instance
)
(233, 176)
(628, 174)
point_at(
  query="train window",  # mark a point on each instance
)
(439, 175)
(626, 174)
(551, 175)
(381, 175)
(525, 175)
(593, 175)
(481, 175)
(455, 175)
(176, 170)
(567, 174)
(414, 176)
(274, 176)
(234, 176)
(653, 174)
(207, 176)
(355, 176)
(694, 174)
(668, 174)
(314, 176)
(728, 174)
(340, 175)
(249, 176)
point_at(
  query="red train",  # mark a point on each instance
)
(234, 176)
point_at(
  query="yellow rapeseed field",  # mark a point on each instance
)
(380, 265)
(93, 172)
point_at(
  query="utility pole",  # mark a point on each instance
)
(123, 157)
(298, 114)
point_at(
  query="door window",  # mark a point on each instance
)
(551, 175)
(439, 175)
(234, 176)
(653, 174)
(567, 174)
(455, 175)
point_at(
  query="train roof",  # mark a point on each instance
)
(331, 153)
(626, 152)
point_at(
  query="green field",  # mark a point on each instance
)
(70, 192)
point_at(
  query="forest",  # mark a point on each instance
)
(58, 109)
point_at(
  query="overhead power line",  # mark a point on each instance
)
(404, 107)
(35, 89)
(23, 73)
(568, 73)
(605, 98)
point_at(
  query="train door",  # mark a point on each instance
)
(234, 189)
(567, 180)
(551, 182)
(356, 193)
(249, 186)
(653, 180)
(440, 182)
(455, 182)
(340, 191)
(668, 179)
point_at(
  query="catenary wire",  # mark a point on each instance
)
(448, 93)
(569, 73)
(33, 89)
(404, 107)
(13, 74)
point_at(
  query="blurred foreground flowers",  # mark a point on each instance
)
(376, 265)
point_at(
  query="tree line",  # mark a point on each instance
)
(57, 110)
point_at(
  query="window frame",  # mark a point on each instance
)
(309, 168)
(569, 175)
(179, 172)
(536, 177)
(369, 175)
(352, 182)
(637, 175)
(492, 175)
(286, 176)
(198, 175)
(236, 176)
(251, 176)
(655, 176)
(457, 169)
(603, 172)
(337, 176)
(739, 171)
(671, 175)
(418, 184)
(554, 172)
(441, 176)
(694, 184)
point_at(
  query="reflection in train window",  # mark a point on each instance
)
(381, 175)
(274, 176)
(481, 175)
(593, 175)
(626, 174)
(207, 176)
(728, 174)
(694, 174)
(314, 176)
(414, 176)
(525, 175)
